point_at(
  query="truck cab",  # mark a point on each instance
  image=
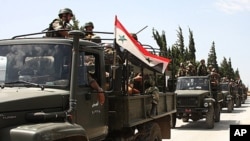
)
(196, 100)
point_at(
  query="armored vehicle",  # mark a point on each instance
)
(45, 93)
(228, 101)
(196, 100)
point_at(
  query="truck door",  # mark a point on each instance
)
(90, 113)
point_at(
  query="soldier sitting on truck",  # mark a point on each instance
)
(89, 61)
(134, 83)
(151, 89)
(61, 23)
(89, 35)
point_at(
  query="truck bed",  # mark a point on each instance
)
(129, 111)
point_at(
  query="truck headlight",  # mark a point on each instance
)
(205, 104)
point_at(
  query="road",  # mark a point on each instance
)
(196, 131)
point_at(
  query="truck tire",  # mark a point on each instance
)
(217, 112)
(210, 117)
(151, 132)
(230, 106)
(173, 120)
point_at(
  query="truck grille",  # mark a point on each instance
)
(187, 102)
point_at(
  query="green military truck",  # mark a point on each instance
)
(196, 100)
(45, 94)
(228, 101)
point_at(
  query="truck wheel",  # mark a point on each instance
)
(217, 112)
(155, 132)
(151, 132)
(210, 117)
(230, 106)
(173, 120)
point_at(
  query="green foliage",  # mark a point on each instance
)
(179, 54)
(75, 23)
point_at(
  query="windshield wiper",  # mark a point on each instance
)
(10, 84)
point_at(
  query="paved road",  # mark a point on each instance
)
(196, 131)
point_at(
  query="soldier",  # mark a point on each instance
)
(154, 91)
(61, 23)
(190, 71)
(209, 69)
(89, 35)
(181, 70)
(215, 78)
(202, 69)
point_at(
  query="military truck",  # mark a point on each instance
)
(196, 100)
(228, 101)
(45, 93)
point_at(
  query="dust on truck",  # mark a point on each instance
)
(45, 94)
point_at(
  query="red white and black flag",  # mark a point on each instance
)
(125, 40)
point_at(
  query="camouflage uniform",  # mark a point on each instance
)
(89, 35)
(60, 24)
(154, 91)
(215, 78)
(181, 70)
(190, 70)
(202, 69)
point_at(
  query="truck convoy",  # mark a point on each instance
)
(45, 94)
(197, 100)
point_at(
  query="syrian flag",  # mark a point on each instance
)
(124, 39)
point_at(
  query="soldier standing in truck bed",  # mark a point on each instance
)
(62, 23)
(154, 92)
(190, 70)
(181, 70)
(215, 79)
(202, 69)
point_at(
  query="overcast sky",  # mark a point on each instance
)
(226, 22)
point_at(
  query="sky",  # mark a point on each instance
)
(225, 22)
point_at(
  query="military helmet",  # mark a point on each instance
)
(65, 11)
(89, 24)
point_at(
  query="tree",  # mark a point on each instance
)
(161, 42)
(231, 70)
(212, 58)
(191, 52)
(224, 68)
(75, 23)
(180, 45)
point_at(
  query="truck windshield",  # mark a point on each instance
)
(192, 84)
(44, 64)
